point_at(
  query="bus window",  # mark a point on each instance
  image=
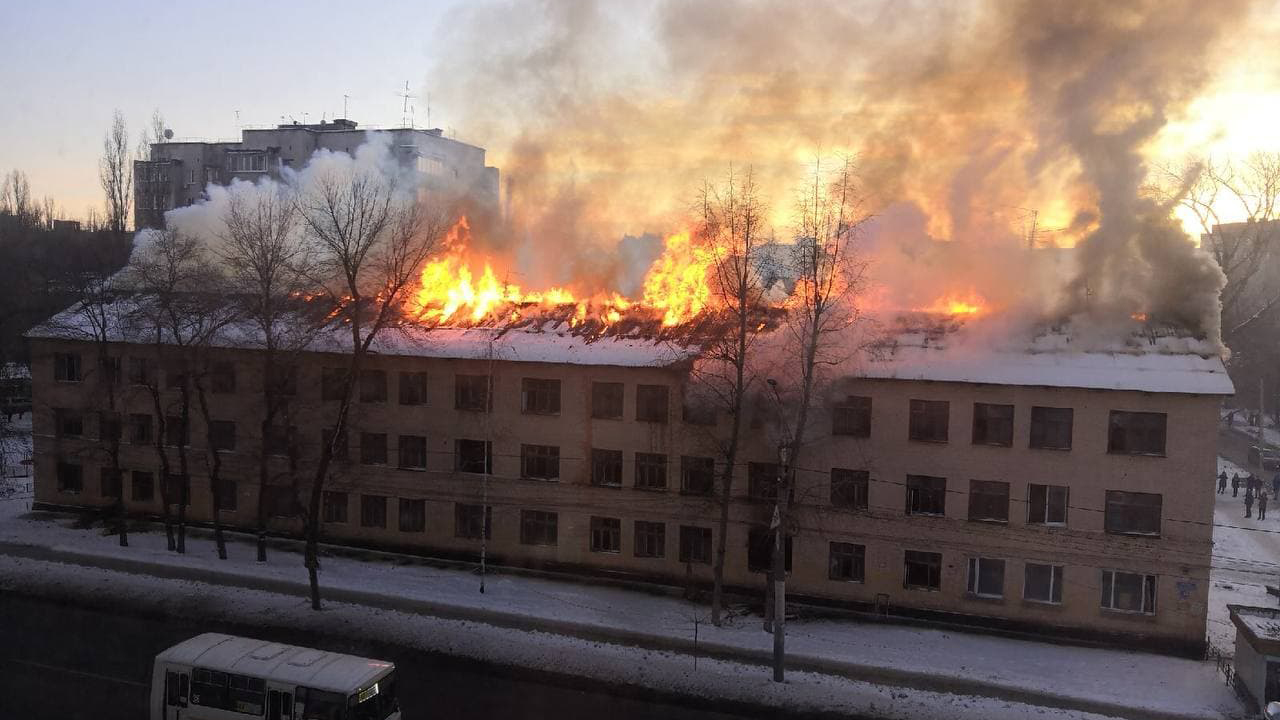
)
(280, 705)
(375, 702)
(320, 705)
(175, 688)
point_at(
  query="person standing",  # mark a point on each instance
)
(1262, 504)
(1235, 484)
(1222, 482)
(1248, 502)
(1275, 484)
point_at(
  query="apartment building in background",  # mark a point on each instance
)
(177, 172)
(1053, 492)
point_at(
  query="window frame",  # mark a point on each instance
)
(852, 417)
(761, 539)
(973, 577)
(540, 396)
(933, 561)
(977, 491)
(464, 523)
(142, 479)
(850, 489)
(923, 422)
(411, 515)
(373, 386)
(368, 456)
(983, 432)
(472, 393)
(854, 555)
(539, 528)
(218, 440)
(1132, 427)
(603, 399)
(606, 464)
(540, 462)
(696, 537)
(335, 506)
(647, 535)
(67, 367)
(648, 397)
(606, 535)
(651, 471)
(467, 466)
(1056, 578)
(1122, 502)
(370, 506)
(1150, 590)
(1049, 492)
(921, 493)
(411, 388)
(694, 464)
(1043, 423)
(409, 450)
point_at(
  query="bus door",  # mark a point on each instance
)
(279, 705)
(177, 686)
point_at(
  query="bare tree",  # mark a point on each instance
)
(732, 224)
(115, 175)
(369, 236)
(269, 270)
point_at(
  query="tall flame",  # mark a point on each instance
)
(955, 303)
(676, 284)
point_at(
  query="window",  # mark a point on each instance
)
(651, 471)
(539, 397)
(762, 480)
(923, 570)
(651, 403)
(849, 488)
(538, 527)
(222, 378)
(143, 486)
(989, 500)
(174, 379)
(697, 475)
(1046, 504)
(178, 489)
(110, 367)
(1129, 592)
(413, 452)
(473, 456)
(283, 380)
(606, 467)
(472, 392)
(222, 434)
(540, 462)
(66, 367)
(373, 448)
(335, 506)
(413, 515)
(373, 511)
(339, 448)
(240, 162)
(992, 424)
(760, 542)
(139, 371)
(930, 420)
(1136, 433)
(1051, 428)
(1133, 513)
(606, 535)
(606, 400)
(70, 478)
(413, 388)
(852, 417)
(332, 383)
(373, 386)
(109, 482)
(926, 495)
(651, 539)
(472, 521)
(279, 440)
(698, 413)
(69, 422)
(1042, 583)
(986, 577)
(175, 432)
(109, 427)
(847, 562)
(695, 544)
(228, 497)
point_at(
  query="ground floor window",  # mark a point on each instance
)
(110, 482)
(606, 535)
(228, 495)
(413, 515)
(144, 486)
(471, 522)
(1129, 592)
(695, 544)
(651, 539)
(335, 506)
(538, 527)
(70, 478)
(373, 511)
(922, 571)
(760, 543)
(1042, 583)
(847, 562)
(986, 577)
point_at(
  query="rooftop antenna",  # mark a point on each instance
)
(404, 111)
(345, 98)
(237, 112)
(428, 109)
(412, 109)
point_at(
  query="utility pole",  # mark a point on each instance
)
(780, 567)
(345, 98)
(1261, 419)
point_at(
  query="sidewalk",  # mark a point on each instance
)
(1108, 682)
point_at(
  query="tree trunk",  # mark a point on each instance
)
(268, 417)
(184, 467)
(163, 456)
(215, 471)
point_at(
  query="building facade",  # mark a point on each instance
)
(1079, 511)
(177, 172)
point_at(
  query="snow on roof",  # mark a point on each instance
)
(947, 351)
(291, 664)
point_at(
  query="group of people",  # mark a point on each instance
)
(1253, 491)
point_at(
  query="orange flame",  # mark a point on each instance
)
(676, 284)
(955, 303)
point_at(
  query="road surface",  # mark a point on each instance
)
(68, 662)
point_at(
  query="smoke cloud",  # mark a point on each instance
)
(978, 128)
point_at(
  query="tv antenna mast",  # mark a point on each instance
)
(404, 112)
(345, 98)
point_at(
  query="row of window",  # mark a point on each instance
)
(1134, 433)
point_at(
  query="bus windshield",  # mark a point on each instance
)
(375, 702)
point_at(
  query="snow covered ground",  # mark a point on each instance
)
(641, 628)
(1246, 558)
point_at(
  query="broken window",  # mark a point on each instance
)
(70, 477)
(143, 485)
(538, 527)
(1133, 513)
(471, 522)
(926, 495)
(373, 448)
(606, 467)
(1046, 504)
(651, 539)
(66, 367)
(852, 417)
(992, 424)
(697, 475)
(473, 456)
(1051, 428)
(930, 420)
(1042, 583)
(922, 571)
(606, 535)
(335, 506)
(413, 388)
(651, 403)
(373, 386)
(539, 396)
(849, 488)
(847, 562)
(760, 542)
(413, 515)
(1136, 433)
(413, 452)
(695, 544)
(698, 413)
(472, 392)
(606, 400)
(373, 511)
(989, 500)
(1129, 592)
(222, 378)
(986, 577)
(651, 471)
(540, 462)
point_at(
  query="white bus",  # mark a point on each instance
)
(223, 677)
